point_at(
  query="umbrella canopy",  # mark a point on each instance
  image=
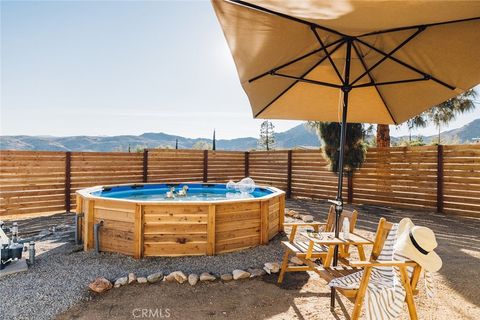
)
(405, 56)
(351, 61)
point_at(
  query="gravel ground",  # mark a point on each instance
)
(59, 279)
(61, 274)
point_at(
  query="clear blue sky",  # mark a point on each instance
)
(114, 67)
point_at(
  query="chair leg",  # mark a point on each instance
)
(361, 294)
(284, 266)
(408, 294)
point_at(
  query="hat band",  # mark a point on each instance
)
(416, 245)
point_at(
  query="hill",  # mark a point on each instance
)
(465, 134)
(299, 136)
(462, 135)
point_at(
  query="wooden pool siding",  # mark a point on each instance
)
(146, 229)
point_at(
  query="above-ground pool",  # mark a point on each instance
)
(142, 220)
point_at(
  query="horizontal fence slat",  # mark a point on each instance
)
(33, 181)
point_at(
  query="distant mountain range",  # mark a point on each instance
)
(299, 136)
(465, 134)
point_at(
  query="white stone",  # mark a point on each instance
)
(100, 285)
(307, 218)
(271, 267)
(291, 213)
(155, 277)
(121, 282)
(170, 277)
(240, 274)
(226, 277)
(176, 275)
(207, 277)
(142, 280)
(256, 273)
(132, 277)
(296, 261)
(193, 279)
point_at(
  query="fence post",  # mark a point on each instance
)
(68, 158)
(440, 178)
(205, 165)
(247, 164)
(289, 174)
(145, 165)
(350, 186)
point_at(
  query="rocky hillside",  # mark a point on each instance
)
(299, 136)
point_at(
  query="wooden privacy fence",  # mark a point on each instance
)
(438, 178)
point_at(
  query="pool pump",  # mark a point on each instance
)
(11, 249)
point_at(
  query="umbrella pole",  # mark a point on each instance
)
(343, 138)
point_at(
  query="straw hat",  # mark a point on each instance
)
(417, 243)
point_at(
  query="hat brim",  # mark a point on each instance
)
(430, 262)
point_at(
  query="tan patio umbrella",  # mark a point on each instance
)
(351, 61)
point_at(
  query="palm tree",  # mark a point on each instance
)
(383, 135)
(439, 115)
(448, 111)
(415, 123)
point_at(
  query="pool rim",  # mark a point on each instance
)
(86, 193)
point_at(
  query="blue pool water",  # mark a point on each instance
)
(196, 192)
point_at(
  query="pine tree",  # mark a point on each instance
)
(267, 136)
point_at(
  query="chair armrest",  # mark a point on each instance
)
(362, 264)
(303, 224)
(294, 225)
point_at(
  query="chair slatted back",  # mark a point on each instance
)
(383, 229)
(350, 215)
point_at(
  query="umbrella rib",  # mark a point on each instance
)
(407, 40)
(390, 82)
(301, 79)
(296, 81)
(417, 26)
(357, 51)
(314, 26)
(283, 15)
(406, 65)
(293, 61)
(327, 54)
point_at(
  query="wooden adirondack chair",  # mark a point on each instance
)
(299, 248)
(357, 295)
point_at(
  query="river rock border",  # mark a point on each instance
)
(100, 285)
